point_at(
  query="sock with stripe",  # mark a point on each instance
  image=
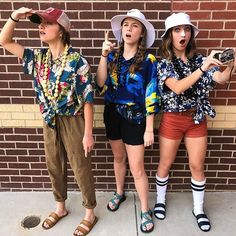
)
(198, 190)
(160, 208)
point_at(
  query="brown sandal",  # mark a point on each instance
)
(51, 223)
(87, 224)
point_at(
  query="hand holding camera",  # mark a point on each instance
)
(226, 56)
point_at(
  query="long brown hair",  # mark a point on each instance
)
(166, 49)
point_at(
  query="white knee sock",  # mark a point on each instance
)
(198, 190)
(161, 186)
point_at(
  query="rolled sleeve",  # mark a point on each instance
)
(28, 61)
(164, 70)
(83, 87)
(152, 95)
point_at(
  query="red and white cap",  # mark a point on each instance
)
(51, 15)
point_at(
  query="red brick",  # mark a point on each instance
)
(9, 172)
(105, 5)
(60, 5)
(186, 6)
(131, 5)
(230, 25)
(222, 34)
(18, 165)
(81, 6)
(32, 185)
(231, 6)
(30, 172)
(213, 6)
(226, 187)
(11, 185)
(20, 179)
(223, 15)
(159, 6)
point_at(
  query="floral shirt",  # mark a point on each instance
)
(75, 87)
(135, 94)
(197, 96)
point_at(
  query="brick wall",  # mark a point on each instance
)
(22, 161)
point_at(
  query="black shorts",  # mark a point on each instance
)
(119, 128)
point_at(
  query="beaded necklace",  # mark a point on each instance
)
(45, 82)
(122, 80)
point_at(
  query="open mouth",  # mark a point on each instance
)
(182, 42)
(41, 32)
(128, 36)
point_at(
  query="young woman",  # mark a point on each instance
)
(62, 82)
(128, 77)
(185, 80)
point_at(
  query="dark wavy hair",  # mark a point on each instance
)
(65, 35)
(166, 49)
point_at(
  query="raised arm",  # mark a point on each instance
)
(6, 35)
(107, 47)
(179, 86)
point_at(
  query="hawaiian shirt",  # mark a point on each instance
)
(134, 94)
(197, 96)
(75, 87)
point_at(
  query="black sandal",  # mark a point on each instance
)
(203, 222)
(160, 211)
(117, 197)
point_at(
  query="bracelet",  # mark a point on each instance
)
(13, 19)
(104, 56)
(201, 69)
(148, 131)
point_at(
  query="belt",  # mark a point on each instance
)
(189, 112)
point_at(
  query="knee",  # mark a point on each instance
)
(138, 173)
(119, 158)
(163, 169)
(196, 169)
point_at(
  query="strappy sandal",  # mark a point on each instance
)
(83, 230)
(116, 201)
(148, 220)
(160, 211)
(203, 222)
(51, 223)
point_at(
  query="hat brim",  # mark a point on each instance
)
(116, 28)
(195, 29)
(37, 17)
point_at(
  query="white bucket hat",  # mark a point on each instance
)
(137, 15)
(179, 19)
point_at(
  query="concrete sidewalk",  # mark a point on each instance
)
(220, 207)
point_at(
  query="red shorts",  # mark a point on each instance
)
(176, 125)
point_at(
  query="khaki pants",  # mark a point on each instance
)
(65, 141)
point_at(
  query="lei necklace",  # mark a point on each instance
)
(45, 82)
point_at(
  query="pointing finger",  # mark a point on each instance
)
(106, 35)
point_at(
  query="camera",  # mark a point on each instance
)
(226, 56)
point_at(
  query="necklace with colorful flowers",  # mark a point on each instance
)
(45, 82)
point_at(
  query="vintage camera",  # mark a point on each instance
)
(226, 56)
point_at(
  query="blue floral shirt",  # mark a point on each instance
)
(136, 94)
(75, 87)
(197, 96)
